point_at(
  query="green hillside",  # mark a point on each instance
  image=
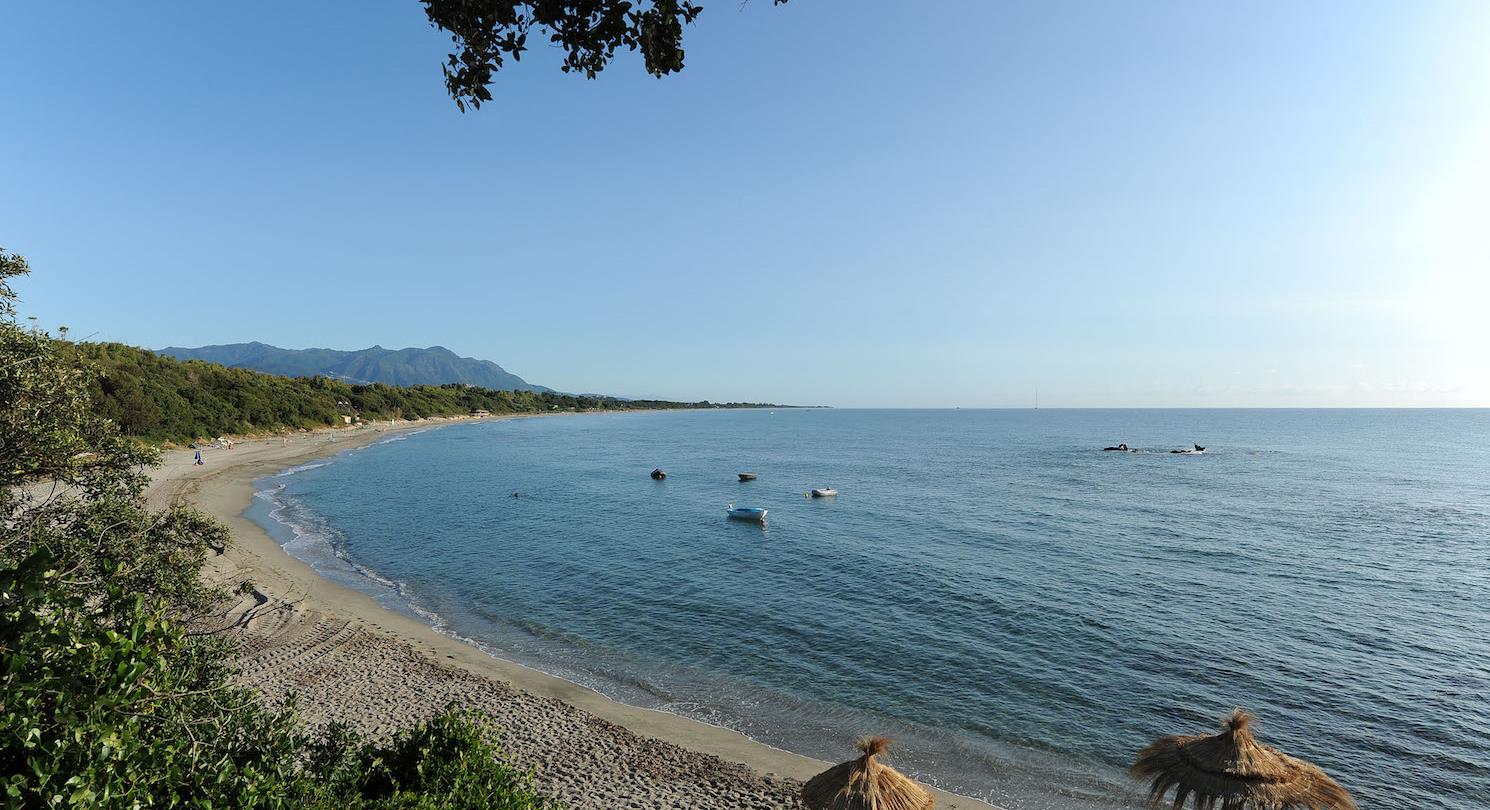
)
(435, 365)
(161, 399)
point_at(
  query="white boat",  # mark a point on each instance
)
(826, 492)
(755, 513)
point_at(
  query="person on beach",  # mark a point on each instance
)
(199, 458)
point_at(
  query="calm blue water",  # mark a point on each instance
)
(1020, 610)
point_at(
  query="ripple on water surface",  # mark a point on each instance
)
(1021, 609)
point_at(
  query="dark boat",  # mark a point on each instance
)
(1122, 448)
(747, 476)
(658, 474)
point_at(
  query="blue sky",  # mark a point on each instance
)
(838, 201)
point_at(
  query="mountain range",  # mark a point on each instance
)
(435, 365)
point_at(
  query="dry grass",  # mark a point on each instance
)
(1233, 771)
(865, 784)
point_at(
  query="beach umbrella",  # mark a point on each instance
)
(864, 784)
(1233, 771)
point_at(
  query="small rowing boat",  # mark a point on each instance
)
(658, 474)
(747, 476)
(826, 492)
(754, 513)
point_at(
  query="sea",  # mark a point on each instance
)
(1019, 609)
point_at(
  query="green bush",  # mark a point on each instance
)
(449, 761)
(119, 707)
(164, 399)
(106, 699)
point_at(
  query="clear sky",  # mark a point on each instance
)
(838, 201)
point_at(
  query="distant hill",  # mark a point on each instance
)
(161, 398)
(436, 365)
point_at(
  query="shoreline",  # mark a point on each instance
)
(306, 634)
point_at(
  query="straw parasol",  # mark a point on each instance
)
(1233, 771)
(863, 784)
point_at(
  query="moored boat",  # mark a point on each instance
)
(825, 492)
(754, 513)
(747, 476)
(658, 474)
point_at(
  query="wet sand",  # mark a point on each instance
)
(349, 659)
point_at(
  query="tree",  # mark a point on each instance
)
(487, 32)
(117, 706)
(107, 699)
(73, 485)
(125, 708)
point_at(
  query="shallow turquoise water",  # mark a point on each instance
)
(1022, 611)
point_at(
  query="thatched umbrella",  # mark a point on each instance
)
(863, 784)
(1233, 771)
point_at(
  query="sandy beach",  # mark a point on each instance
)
(349, 659)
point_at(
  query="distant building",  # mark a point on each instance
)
(481, 412)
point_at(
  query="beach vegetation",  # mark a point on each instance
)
(113, 691)
(162, 399)
(114, 702)
(449, 761)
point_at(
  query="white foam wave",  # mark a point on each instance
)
(398, 437)
(316, 543)
(307, 532)
(301, 468)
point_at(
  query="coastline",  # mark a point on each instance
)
(351, 659)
